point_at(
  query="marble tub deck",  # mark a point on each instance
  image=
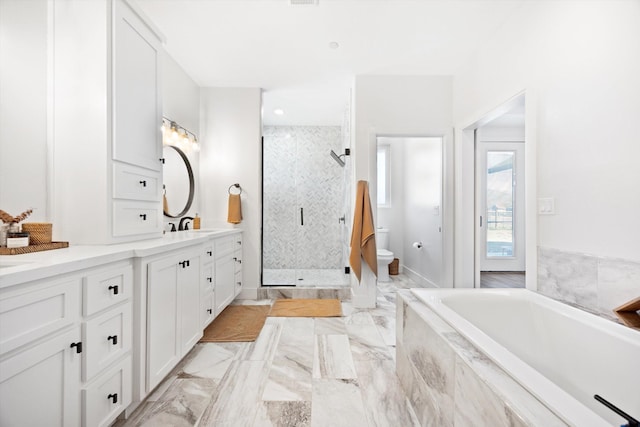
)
(299, 372)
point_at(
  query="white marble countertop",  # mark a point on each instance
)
(17, 269)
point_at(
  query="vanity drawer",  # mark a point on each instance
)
(207, 278)
(207, 309)
(130, 218)
(225, 246)
(32, 315)
(107, 337)
(207, 253)
(106, 397)
(135, 183)
(106, 288)
(238, 282)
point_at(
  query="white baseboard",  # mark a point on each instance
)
(421, 281)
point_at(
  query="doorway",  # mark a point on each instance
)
(409, 204)
(500, 200)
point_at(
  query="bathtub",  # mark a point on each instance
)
(558, 353)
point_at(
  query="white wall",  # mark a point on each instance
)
(231, 153)
(181, 103)
(392, 216)
(23, 108)
(400, 106)
(581, 61)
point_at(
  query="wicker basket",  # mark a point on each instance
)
(393, 267)
(39, 232)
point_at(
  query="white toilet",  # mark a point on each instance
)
(385, 256)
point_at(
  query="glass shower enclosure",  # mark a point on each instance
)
(304, 226)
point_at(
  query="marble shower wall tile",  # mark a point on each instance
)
(596, 284)
(299, 173)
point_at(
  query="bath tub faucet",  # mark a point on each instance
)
(184, 225)
(631, 422)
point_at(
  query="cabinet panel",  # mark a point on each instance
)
(105, 288)
(189, 284)
(224, 288)
(130, 218)
(134, 183)
(136, 81)
(107, 338)
(225, 246)
(106, 397)
(40, 386)
(163, 347)
(35, 314)
(238, 282)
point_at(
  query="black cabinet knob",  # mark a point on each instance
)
(77, 346)
(209, 279)
(143, 183)
(184, 263)
(113, 397)
(209, 311)
(209, 253)
(113, 339)
(114, 288)
(143, 216)
(161, 160)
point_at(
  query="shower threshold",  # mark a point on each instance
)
(305, 278)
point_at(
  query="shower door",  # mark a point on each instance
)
(302, 199)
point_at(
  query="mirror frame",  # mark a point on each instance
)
(191, 184)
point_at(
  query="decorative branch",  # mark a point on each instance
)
(8, 219)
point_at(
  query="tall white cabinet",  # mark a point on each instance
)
(107, 112)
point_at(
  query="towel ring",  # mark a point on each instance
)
(237, 186)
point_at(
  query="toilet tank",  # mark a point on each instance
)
(382, 238)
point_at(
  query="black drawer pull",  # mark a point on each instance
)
(113, 339)
(184, 263)
(209, 279)
(77, 345)
(143, 216)
(209, 253)
(114, 288)
(239, 283)
(144, 183)
(113, 397)
(239, 242)
(161, 160)
(209, 311)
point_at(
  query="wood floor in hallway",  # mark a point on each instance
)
(502, 279)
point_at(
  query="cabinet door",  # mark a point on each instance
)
(41, 386)
(189, 282)
(224, 278)
(137, 104)
(163, 301)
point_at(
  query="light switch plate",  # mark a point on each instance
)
(546, 206)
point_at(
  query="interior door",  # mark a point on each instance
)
(501, 206)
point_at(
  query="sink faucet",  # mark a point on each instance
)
(184, 225)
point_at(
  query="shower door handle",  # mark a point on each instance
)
(301, 216)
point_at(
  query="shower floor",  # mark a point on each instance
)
(313, 278)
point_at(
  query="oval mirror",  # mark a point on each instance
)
(177, 182)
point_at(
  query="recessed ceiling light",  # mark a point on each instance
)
(334, 45)
(278, 111)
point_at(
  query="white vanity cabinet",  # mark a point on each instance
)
(107, 112)
(62, 341)
(238, 259)
(173, 311)
(225, 269)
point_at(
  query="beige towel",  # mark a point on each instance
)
(363, 237)
(235, 209)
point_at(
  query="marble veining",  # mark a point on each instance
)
(299, 372)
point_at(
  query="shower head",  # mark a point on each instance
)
(337, 158)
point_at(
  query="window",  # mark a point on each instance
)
(384, 187)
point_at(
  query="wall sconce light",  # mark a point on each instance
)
(174, 134)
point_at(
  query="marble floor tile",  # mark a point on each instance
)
(283, 414)
(290, 374)
(299, 372)
(367, 343)
(330, 326)
(238, 395)
(332, 357)
(337, 403)
(385, 400)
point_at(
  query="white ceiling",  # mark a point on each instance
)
(284, 49)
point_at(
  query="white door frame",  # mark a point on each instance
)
(466, 265)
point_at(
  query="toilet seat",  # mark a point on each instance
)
(384, 253)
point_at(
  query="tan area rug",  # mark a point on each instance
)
(237, 323)
(306, 308)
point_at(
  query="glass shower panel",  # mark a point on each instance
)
(500, 180)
